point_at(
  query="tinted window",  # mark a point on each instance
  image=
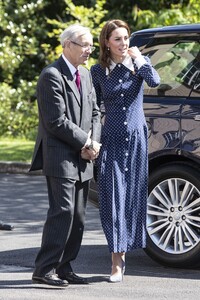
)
(196, 87)
(178, 66)
(141, 40)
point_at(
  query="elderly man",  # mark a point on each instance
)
(67, 142)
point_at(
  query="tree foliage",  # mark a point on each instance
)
(29, 40)
(19, 63)
(91, 17)
(184, 12)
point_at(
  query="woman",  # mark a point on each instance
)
(123, 159)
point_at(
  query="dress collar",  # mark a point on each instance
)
(127, 62)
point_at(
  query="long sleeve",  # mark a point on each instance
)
(149, 74)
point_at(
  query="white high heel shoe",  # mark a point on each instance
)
(123, 266)
(118, 277)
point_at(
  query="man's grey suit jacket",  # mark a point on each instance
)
(65, 118)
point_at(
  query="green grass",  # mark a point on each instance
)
(16, 150)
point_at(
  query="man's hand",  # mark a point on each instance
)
(85, 154)
(96, 147)
(91, 153)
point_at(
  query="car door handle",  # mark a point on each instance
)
(197, 118)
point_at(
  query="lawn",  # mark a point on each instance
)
(16, 150)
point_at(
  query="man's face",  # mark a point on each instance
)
(78, 50)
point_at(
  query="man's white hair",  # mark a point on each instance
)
(73, 32)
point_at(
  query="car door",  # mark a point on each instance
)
(165, 104)
(190, 117)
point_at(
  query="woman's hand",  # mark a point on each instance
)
(134, 52)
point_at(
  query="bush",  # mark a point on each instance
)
(18, 111)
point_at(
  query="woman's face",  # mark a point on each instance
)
(118, 44)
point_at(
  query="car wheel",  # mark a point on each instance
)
(173, 215)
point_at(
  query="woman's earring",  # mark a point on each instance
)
(108, 49)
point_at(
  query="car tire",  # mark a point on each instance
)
(173, 215)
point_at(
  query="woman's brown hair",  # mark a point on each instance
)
(104, 57)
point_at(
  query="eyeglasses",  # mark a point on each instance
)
(91, 48)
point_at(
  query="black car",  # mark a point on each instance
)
(172, 113)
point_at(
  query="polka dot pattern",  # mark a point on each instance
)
(123, 159)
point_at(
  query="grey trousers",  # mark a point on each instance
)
(63, 229)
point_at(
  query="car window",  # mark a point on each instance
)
(178, 65)
(196, 87)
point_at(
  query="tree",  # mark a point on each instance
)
(19, 64)
(29, 40)
(132, 10)
(91, 16)
(177, 14)
(23, 30)
(29, 33)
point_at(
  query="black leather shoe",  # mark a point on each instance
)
(50, 279)
(72, 278)
(4, 226)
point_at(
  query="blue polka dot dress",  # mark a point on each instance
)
(123, 159)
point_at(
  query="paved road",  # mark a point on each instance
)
(23, 203)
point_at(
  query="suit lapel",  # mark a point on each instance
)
(69, 79)
(73, 87)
